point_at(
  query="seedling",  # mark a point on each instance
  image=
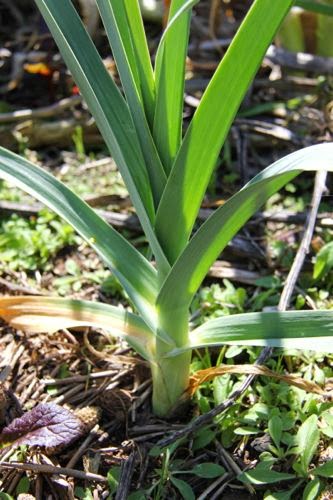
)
(166, 174)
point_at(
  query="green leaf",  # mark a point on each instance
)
(315, 6)
(138, 55)
(5, 496)
(203, 438)
(134, 272)
(246, 431)
(307, 440)
(108, 107)
(50, 314)
(325, 470)
(306, 330)
(324, 261)
(117, 27)
(137, 495)
(208, 470)
(196, 161)
(184, 488)
(327, 423)
(83, 493)
(113, 476)
(170, 81)
(23, 485)
(275, 429)
(312, 490)
(262, 474)
(283, 495)
(192, 266)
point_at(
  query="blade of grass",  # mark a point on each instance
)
(311, 330)
(134, 272)
(170, 81)
(192, 266)
(107, 106)
(210, 125)
(50, 314)
(116, 25)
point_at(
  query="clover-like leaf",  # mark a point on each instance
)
(47, 425)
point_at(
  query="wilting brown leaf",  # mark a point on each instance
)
(202, 376)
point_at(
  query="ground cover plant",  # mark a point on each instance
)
(166, 176)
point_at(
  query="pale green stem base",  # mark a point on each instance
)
(170, 380)
(170, 375)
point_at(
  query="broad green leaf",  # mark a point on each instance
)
(262, 474)
(275, 429)
(325, 470)
(307, 441)
(134, 272)
(213, 236)
(184, 488)
(203, 437)
(312, 490)
(107, 106)
(50, 314)
(170, 81)
(324, 261)
(115, 21)
(208, 470)
(311, 330)
(210, 125)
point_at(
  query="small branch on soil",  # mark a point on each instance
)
(276, 55)
(84, 378)
(12, 287)
(93, 434)
(126, 473)
(44, 112)
(304, 247)
(266, 353)
(49, 469)
(300, 60)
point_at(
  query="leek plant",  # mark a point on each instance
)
(166, 174)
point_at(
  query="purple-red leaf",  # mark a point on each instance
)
(47, 425)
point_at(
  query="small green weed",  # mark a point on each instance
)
(287, 431)
(31, 244)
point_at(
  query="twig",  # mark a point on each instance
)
(79, 452)
(300, 60)
(126, 473)
(44, 112)
(231, 464)
(324, 219)
(303, 249)
(50, 469)
(82, 378)
(277, 55)
(13, 287)
(266, 353)
(212, 486)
